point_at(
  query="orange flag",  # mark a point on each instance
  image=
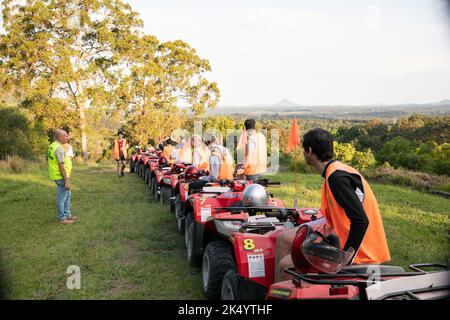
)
(294, 138)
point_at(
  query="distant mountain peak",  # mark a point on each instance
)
(285, 103)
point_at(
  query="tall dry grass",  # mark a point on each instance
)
(14, 164)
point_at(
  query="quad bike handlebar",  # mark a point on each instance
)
(267, 182)
(282, 214)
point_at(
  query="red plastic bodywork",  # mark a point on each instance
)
(263, 244)
(287, 290)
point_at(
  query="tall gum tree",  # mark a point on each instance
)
(64, 57)
(163, 77)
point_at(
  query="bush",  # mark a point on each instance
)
(408, 178)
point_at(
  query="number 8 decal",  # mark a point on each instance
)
(249, 244)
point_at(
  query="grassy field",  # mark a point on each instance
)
(127, 247)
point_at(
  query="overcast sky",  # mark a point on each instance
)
(313, 52)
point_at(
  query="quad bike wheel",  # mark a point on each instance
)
(146, 175)
(135, 167)
(155, 189)
(192, 257)
(230, 286)
(131, 166)
(166, 192)
(178, 214)
(217, 261)
(188, 220)
(150, 186)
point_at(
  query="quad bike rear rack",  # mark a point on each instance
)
(338, 280)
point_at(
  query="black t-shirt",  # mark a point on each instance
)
(348, 191)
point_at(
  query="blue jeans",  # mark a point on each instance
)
(62, 201)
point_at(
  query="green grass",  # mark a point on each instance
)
(127, 247)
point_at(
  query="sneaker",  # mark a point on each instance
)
(66, 221)
(72, 218)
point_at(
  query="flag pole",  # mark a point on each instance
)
(295, 171)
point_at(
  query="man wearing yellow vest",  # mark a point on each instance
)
(60, 170)
(348, 205)
(255, 154)
(120, 148)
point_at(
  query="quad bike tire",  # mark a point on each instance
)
(178, 214)
(131, 166)
(194, 259)
(187, 221)
(146, 175)
(166, 192)
(230, 286)
(150, 186)
(155, 189)
(217, 261)
(135, 167)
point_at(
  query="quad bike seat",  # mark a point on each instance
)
(370, 268)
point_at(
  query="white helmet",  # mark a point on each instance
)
(255, 195)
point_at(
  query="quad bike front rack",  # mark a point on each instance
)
(338, 279)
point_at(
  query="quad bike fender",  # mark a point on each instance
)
(256, 255)
(198, 245)
(250, 290)
(308, 214)
(184, 191)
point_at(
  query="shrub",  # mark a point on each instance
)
(403, 177)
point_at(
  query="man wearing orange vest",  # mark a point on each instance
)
(168, 149)
(220, 162)
(348, 205)
(120, 148)
(201, 154)
(255, 152)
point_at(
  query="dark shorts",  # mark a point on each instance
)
(121, 157)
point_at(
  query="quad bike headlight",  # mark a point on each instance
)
(167, 180)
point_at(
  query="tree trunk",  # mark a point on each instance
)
(84, 141)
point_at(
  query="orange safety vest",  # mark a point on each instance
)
(226, 163)
(168, 151)
(116, 148)
(185, 154)
(255, 160)
(374, 248)
(204, 153)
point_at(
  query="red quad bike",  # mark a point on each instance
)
(141, 166)
(169, 182)
(203, 204)
(157, 175)
(321, 271)
(239, 261)
(135, 160)
(151, 168)
(180, 197)
(366, 282)
(149, 163)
